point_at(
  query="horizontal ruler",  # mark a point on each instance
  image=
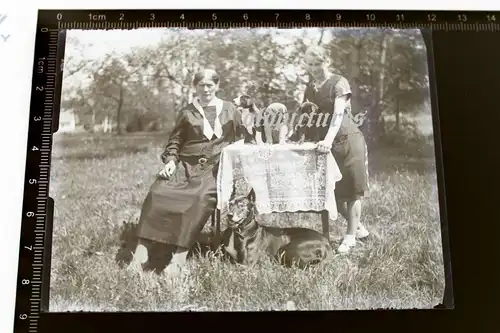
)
(131, 19)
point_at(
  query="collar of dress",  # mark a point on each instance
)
(208, 131)
(317, 85)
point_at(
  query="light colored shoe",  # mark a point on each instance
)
(134, 268)
(361, 232)
(346, 245)
(173, 269)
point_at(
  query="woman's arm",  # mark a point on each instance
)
(340, 93)
(337, 117)
(175, 141)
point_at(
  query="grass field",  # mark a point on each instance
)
(99, 182)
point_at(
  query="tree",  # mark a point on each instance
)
(386, 69)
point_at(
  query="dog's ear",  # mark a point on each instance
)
(253, 108)
(251, 196)
(311, 107)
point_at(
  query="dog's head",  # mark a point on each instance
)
(276, 109)
(276, 114)
(308, 108)
(307, 115)
(241, 209)
(243, 101)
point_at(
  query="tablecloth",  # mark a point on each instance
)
(285, 177)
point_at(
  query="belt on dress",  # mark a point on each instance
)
(202, 160)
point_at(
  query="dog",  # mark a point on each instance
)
(249, 112)
(275, 123)
(307, 115)
(246, 102)
(247, 242)
(260, 125)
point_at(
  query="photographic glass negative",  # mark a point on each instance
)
(158, 143)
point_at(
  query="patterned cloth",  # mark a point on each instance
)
(285, 178)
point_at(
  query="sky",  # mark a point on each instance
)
(97, 43)
(103, 41)
(119, 40)
(100, 42)
(123, 40)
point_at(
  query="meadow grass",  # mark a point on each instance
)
(98, 183)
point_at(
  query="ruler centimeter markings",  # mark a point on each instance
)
(43, 180)
(444, 26)
(197, 19)
(32, 246)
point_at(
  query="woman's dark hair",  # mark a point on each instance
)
(207, 73)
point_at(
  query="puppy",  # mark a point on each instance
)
(307, 115)
(247, 242)
(249, 112)
(274, 123)
(245, 102)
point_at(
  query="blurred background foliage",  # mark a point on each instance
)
(142, 90)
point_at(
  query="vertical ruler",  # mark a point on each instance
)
(31, 295)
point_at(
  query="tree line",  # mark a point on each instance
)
(141, 91)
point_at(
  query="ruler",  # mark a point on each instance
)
(35, 249)
(132, 19)
(36, 228)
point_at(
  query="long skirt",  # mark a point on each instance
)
(351, 154)
(176, 210)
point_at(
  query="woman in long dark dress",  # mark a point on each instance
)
(184, 195)
(332, 93)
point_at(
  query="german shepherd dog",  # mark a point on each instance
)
(247, 242)
(307, 113)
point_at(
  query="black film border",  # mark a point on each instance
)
(34, 251)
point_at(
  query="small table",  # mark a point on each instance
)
(285, 178)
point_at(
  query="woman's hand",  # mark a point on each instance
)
(324, 146)
(168, 170)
